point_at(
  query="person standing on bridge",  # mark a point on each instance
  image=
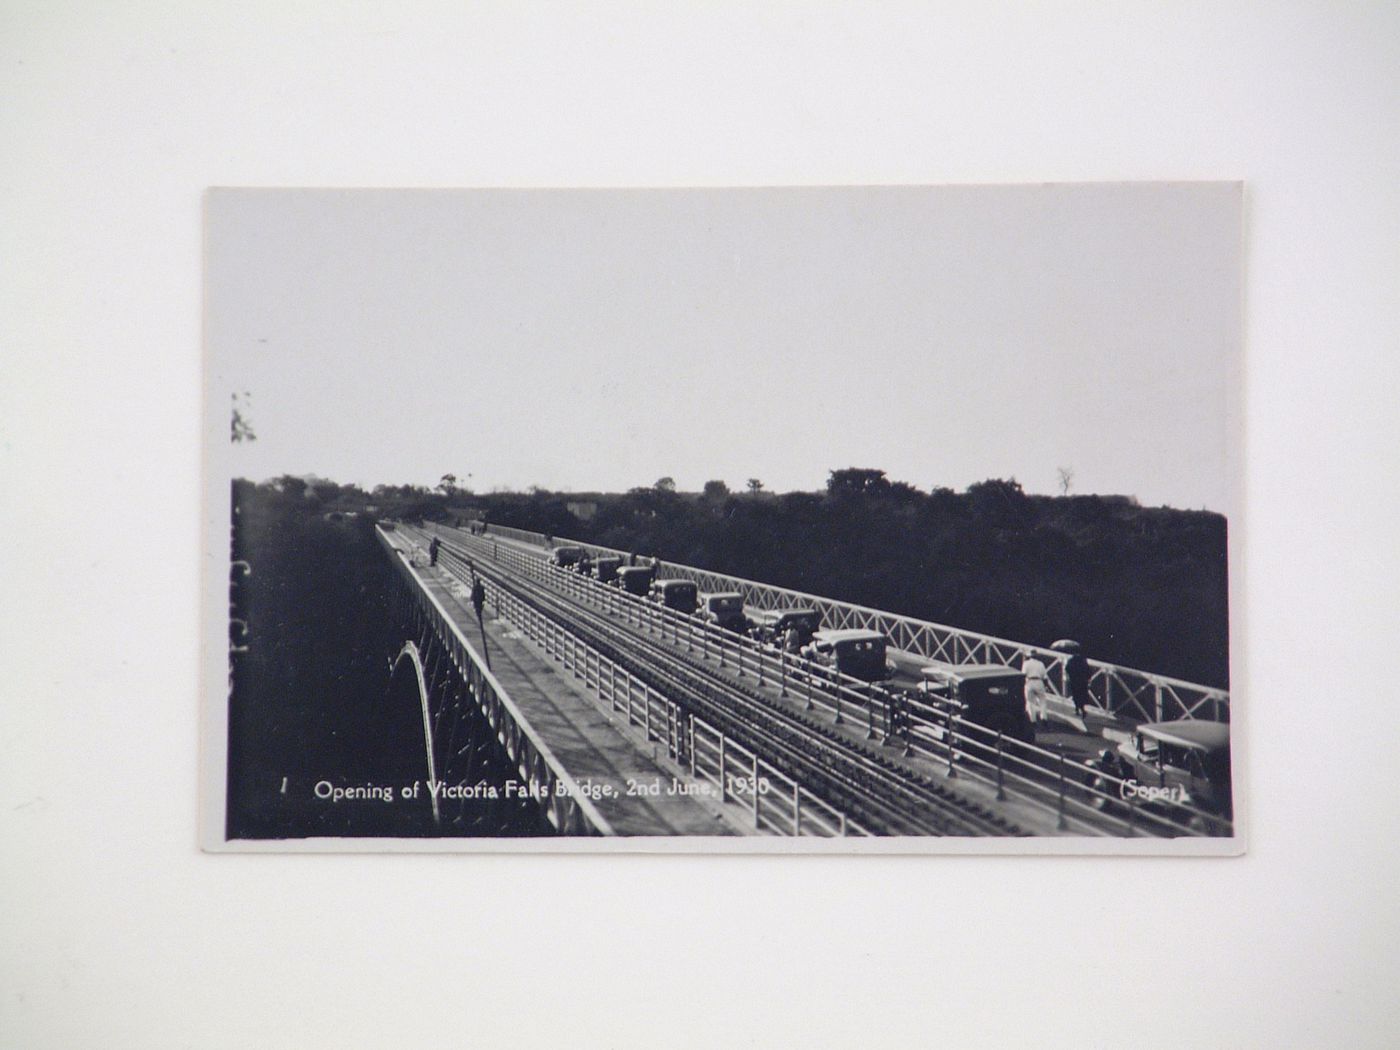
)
(433, 550)
(1077, 678)
(1034, 670)
(478, 596)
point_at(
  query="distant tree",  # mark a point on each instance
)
(665, 485)
(857, 481)
(448, 484)
(755, 486)
(1066, 479)
(291, 485)
(716, 491)
(999, 503)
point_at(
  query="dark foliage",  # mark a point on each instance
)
(1138, 586)
(312, 697)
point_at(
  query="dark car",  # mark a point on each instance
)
(566, 557)
(991, 695)
(676, 594)
(773, 626)
(724, 609)
(636, 579)
(860, 654)
(605, 568)
(1186, 762)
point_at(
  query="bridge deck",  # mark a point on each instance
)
(589, 743)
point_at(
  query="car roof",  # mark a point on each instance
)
(968, 671)
(723, 594)
(850, 635)
(675, 583)
(1193, 733)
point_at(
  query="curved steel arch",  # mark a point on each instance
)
(410, 650)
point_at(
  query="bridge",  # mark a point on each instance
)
(623, 717)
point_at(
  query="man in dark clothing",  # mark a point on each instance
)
(1077, 678)
(478, 597)
(433, 551)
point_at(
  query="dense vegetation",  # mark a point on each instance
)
(311, 696)
(1142, 587)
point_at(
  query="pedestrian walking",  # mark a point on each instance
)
(478, 596)
(1034, 669)
(433, 550)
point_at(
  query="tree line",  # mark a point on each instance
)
(1138, 586)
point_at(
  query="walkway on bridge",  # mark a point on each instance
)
(592, 745)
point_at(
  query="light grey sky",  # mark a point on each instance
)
(601, 339)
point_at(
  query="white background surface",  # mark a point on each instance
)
(116, 932)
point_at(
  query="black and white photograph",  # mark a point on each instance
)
(748, 519)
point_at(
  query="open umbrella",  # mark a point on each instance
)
(1065, 645)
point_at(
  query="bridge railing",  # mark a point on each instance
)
(1134, 695)
(1080, 796)
(738, 775)
(564, 804)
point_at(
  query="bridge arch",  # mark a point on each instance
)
(415, 658)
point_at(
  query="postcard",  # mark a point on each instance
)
(783, 519)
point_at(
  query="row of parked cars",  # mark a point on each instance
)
(1181, 761)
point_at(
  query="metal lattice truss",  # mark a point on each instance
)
(1123, 691)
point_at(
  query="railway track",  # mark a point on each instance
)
(870, 787)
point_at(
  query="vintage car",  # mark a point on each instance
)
(636, 579)
(724, 609)
(772, 626)
(675, 594)
(859, 654)
(605, 568)
(1186, 762)
(566, 557)
(990, 695)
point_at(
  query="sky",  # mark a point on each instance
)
(597, 340)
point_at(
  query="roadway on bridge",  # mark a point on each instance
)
(854, 731)
(1079, 739)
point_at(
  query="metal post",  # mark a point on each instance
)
(646, 711)
(690, 723)
(807, 666)
(721, 768)
(755, 791)
(758, 656)
(839, 719)
(870, 733)
(1061, 824)
(948, 740)
(796, 809)
(782, 672)
(1001, 783)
